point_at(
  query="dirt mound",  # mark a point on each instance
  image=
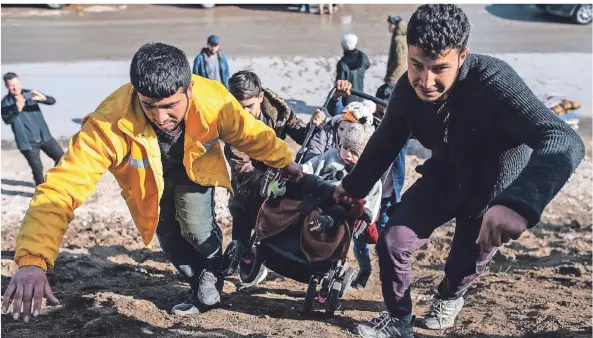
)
(110, 285)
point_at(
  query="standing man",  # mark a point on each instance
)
(20, 109)
(246, 177)
(212, 63)
(397, 64)
(352, 66)
(159, 136)
(498, 157)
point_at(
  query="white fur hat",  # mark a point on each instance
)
(349, 41)
(361, 112)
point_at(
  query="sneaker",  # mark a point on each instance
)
(208, 288)
(442, 313)
(360, 282)
(191, 306)
(386, 326)
(261, 275)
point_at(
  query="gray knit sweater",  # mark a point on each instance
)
(508, 148)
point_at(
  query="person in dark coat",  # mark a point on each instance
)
(352, 66)
(20, 110)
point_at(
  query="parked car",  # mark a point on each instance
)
(56, 6)
(578, 13)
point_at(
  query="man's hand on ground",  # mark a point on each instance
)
(29, 284)
(499, 225)
(294, 171)
(343, 88)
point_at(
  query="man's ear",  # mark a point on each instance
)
(189, 91)
(463, 55)
(260, 97)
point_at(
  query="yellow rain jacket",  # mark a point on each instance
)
(118, 137)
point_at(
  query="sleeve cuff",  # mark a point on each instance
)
(32, 260)
(522, 209)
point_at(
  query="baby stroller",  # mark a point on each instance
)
(328, 280)
(284, 243)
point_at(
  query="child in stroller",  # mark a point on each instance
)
(301, 232)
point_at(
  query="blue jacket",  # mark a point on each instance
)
(28, 126)
(201, 69)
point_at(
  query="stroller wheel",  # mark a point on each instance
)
(347, 281)
(311, 293)
(250, 265)
(231, 258)
(333, 302)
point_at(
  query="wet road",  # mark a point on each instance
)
(262, 30)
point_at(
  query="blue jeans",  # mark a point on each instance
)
(361, 247)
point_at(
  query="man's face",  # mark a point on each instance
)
(341, 127)
(432, 78)
(391, 27)
(166, 113)
(14, 86)
(213, 48)
(253, 105)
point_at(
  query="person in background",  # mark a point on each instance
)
(246, 176)
(352, 66)
(212, 63)
(20, 110)
(397, 64)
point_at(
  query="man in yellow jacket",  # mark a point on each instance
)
(159, 136)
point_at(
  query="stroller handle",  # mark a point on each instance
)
(367, 97)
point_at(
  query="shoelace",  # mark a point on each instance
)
(436, 307)
(208, 277)
(382, 320)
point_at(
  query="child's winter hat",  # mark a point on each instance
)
(356, 137)
(360, 112)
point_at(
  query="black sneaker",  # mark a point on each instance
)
(208, 288)
(261, 275)
(360, 282)
(386, 326)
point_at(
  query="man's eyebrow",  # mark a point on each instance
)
(160, 105)
(442, 64)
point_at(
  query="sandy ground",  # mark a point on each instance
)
(110, 285)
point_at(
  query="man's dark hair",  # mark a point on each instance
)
(9, 76)
(437, 28)
(244, 85)
(159, 70)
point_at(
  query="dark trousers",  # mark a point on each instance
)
(187, 229)
(51, 148)
(244, 211)
(431, 201)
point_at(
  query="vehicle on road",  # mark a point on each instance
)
(578, 13)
